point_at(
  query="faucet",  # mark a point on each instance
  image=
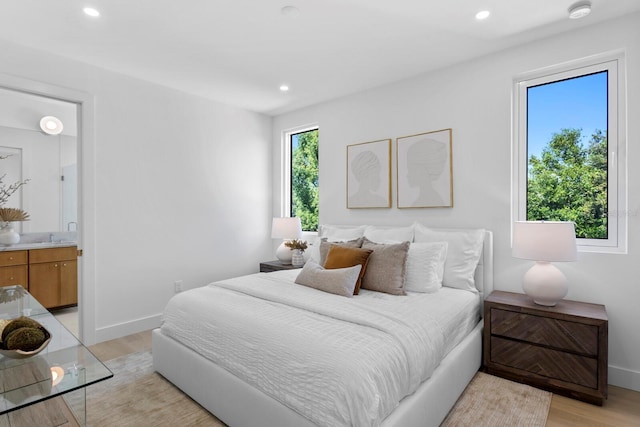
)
(50, 237)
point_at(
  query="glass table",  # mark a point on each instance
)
(44, 389)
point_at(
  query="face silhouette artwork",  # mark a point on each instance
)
(426, 160)
(366, 170)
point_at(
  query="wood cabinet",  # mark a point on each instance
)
(14, 268)
(563, 349)
(53, 276)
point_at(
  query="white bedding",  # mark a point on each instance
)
(349, 361)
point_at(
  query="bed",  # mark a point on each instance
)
(261, 350)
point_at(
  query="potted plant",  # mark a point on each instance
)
(298, 247)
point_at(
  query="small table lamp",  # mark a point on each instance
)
(287, 229)
(544, 242)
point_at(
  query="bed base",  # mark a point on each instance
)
(238, 404)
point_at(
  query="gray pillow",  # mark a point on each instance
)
(325, 246)
(339, 281)
(386, 268)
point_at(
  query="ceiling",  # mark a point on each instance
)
(240, 51)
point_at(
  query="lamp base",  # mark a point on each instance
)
(284, 254)
(545, 283)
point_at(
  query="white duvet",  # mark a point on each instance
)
(337, 361)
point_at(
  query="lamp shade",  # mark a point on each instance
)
(286, 228)
(544, 241)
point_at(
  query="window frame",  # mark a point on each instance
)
(617, 209)
(285, 172)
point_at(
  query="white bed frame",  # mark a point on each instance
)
(240, 405)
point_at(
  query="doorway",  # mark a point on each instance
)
(81, 121)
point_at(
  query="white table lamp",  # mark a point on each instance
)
(545, 242)
(286, 229)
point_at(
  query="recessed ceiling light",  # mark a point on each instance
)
(51, 125)
(91, 12)
(579, 10)
(284, 88)
(483, 14)
(290, 11)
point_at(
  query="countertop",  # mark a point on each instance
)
(43, 245)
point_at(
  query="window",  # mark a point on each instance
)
(300, 195)
(568, 160)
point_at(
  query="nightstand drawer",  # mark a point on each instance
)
(559, 334)
(545, 362)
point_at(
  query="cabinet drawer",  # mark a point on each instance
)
(13, 258)
(54, 254)
(559, 334)
(545, 362)
(16, 275)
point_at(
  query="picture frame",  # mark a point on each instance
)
(369, 175)
(425, 170)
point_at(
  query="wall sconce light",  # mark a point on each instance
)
(545, 242)
(51, 125)
(287, 229)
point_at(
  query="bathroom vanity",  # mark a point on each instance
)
(49, 271)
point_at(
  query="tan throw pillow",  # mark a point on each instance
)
(386, 268)
(325, 245)
(339, 281)
(343, 256)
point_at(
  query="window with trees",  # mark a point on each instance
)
(301, 199)
(568, 165)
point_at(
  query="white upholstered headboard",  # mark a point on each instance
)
(483, 275)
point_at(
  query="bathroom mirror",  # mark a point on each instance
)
(48, 161)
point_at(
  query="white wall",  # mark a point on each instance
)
(182, 191)
(474, 99)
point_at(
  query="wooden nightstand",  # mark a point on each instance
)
(562, 349)
(269, 266)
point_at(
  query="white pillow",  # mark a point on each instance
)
(425, 267)
(463, 253)
(341, 233)
(339, 281)
(389, 234)
(313, 250)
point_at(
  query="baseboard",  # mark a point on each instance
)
(624, 378)
(127, 328)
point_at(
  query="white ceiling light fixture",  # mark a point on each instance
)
(579, 10)
(90, 11)
(284, 88)
(51, 125)
(483, 14)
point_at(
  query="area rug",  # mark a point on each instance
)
(137, 396)
(493, 401)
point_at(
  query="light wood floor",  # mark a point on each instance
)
(621, 409)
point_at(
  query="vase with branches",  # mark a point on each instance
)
(8, 235)
(298, 247)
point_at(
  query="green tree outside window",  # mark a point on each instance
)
(304, 178)
(568, 182)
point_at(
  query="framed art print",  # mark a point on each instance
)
(424, 168)
(369, 175)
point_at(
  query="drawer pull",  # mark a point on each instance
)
(10, 258)
(55, 265)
